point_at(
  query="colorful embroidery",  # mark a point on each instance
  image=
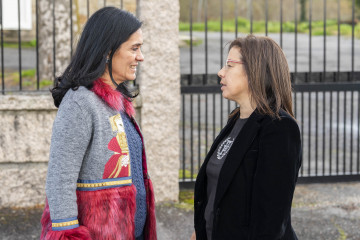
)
(92, 185)
(118, 165)
(65, 224)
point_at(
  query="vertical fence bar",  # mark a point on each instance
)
(266, 16)
(228, 106)
(88, 9)
(358, 134)
(191, 44)
(251, 16)
(221, 35)
(236, 17)
(54, 46)
(183, 137)
(206, 123)
(330, 134)
(104, 3)
(19, 41)
(344, 143)
(295, 14)
(206, 43)
(324, 58)
(309, 132)
(323, 136)
(214, 119)
(338, 42)
(351, 131)
(71, 28)
(295, 104)
(221, 111)
(199, 132)
(302, 129)
(352, 39)
(337, 131)
(281, 23)
(2, 50)
(122, 4)
(37, 46)
(316, 131)
(191, 137)
(310, 38)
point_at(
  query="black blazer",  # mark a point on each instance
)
(256, 183)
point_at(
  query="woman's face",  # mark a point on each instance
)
(234, 81)
(127, 58)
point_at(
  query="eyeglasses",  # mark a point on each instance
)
(232, 61)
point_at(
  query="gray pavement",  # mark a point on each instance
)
(320, 212)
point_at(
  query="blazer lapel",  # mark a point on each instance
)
(236, 154)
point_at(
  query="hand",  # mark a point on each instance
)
(193, 236)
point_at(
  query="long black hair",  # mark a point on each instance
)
(103, 34)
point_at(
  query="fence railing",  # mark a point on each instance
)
(328, 115)
(320, 47)
(321, 42)
(32, 37)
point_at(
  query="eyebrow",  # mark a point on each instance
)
(234, 61)
(137, 45)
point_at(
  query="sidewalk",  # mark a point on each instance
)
(320, 212)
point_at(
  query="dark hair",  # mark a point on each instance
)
(103, 34)
(268, 74)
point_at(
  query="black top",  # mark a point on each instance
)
(213, 170)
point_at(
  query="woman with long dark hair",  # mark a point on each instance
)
(97, 184)
(245, 186)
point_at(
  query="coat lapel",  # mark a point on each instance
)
(236, 154)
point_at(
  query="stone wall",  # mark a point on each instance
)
(160, 90)
(25, 132)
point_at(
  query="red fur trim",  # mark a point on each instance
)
(150, 226)
(103, 215)
(112, 97)
(108, 213)
(78, 233)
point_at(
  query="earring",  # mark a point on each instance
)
(107, 60)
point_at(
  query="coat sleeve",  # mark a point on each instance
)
(275, 178)
(71, 135)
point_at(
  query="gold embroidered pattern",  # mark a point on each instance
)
(104, 184)
(65, 224)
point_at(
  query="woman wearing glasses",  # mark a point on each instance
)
(245, 186)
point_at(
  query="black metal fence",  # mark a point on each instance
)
(20, 67)
(325, 73)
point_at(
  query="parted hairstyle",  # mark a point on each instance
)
(103, 34)
(268, 74)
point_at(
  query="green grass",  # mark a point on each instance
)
(187, 174)
(317, 27)
(30, 44)
(186, 196)
(28, 79)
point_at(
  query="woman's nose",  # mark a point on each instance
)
(140, 56)
(221, 73)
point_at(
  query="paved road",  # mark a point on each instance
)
(320, 212)
(288, 46)
(11, 55)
